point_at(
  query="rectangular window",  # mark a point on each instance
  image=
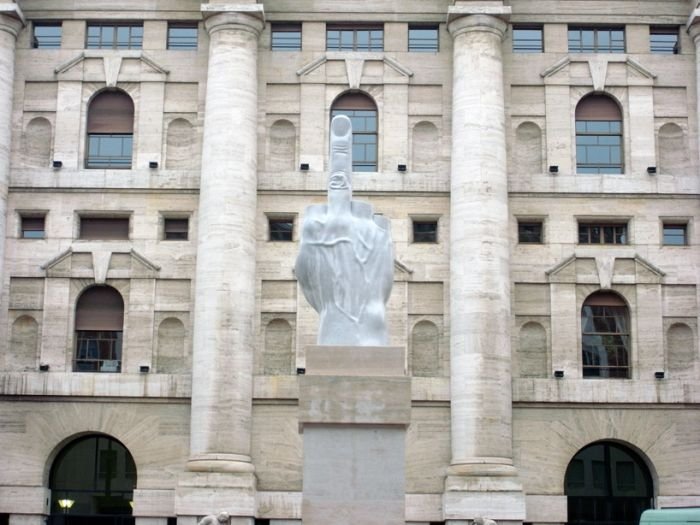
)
(530, 232)
(423, 39)
(598, 146)
(33, 227)
(286, 37)
(182, 36)
(664, 40)
(675, 234)
(596, 40)
(104, 228)
(111, 151)
(364, 137)
(98, 351)
(355, 38)
(527, 39)
(175, 229)
(47, 36)
(114, 36)
(425, 231)
(594, 233)
(281, 229)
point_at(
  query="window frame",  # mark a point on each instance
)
(418, 45)
(282, 28)
(286, 235)
(355, 30)
(186, 40)
(425, 221)
(169, 220)
(32, 216)
(36, 44)
(674, 224)
(531, 222)
(658, 30)
(582, 223)
(606, 305)
(131, 43)
(525, 49)
(596, 47)
(82, 217)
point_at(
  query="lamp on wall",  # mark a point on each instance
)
(144, 369)
(651, 170)
(659, 375)
(304, 166)
(401, 167)
(554, 169)
(153, 164)
(57, 164)
(301, 371)
(43, 368)
(558, 374)
(65, 504)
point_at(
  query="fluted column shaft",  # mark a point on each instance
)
(222, 365)
(10, 26)
(479, 253)
(694, 32)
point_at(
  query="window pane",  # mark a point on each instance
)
(281, 229)
(425, 231)
(674, 235)
(529, 232)
(47, 36)
(423, 39)
(182, 37)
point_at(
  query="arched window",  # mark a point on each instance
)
(598, 135)
(110, 128)
(92, 481)
(605, 336)
(363, 113)
(607, 483)
(99, 321)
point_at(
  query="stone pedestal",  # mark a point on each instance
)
(354, 407)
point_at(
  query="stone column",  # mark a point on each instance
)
(694, 32)
(481, 480)
(222, 364)
(11, 22)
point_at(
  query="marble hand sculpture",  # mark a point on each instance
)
(219, 519)
(346, 261)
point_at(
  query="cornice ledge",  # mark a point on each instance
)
(397, 66)
(67, 65)
(311, 66)
(12, 9)
(556, 67)
(502, 12)
(142, 259)
(402, 267)
(251, 9)
(654, 269)
(560, 266)
(640, 68)
(693, 19)
(60, 257)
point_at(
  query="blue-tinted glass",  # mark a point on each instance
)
(664, 40)
(527, 40)
(47, 36)
(346, 38)
(423, 40)
(181, 37)
(107, 37)
(288, 39)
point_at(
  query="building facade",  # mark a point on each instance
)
(539, 164)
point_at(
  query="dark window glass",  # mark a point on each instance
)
(527, 39)
(281, 229)
(596, 40)
(354, 38)
(425, 231)
(530, 232)
(423, 39)
(598, 146)
(664, 40)
(605, 340)
(675, 234)
(98, 351)
(175, 229)
(114, 36)
(47, 36)
(182, 36)
(33, 228)
(593, 233)
(92, 481)
(104, 228)
(607, 483)
(286, 37)
(109, 151)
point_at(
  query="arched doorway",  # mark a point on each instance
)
(92, 482)
(607, 483)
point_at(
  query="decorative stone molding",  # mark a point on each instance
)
(354, 65)
(11, 18)
(112, 62)
(598, 68)
(246, 17)
(69, 264)
(605, 270)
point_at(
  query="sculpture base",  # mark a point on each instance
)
(354, 407)
(200, 494)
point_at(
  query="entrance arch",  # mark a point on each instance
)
(92, 482)
(607, 483)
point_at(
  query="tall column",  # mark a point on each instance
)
(222, 365)
(11, 22)
(481, 480)
(694, 32)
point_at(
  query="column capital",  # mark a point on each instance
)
(462, 19)
(247, 17)
(11, 18)
(693, 25)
